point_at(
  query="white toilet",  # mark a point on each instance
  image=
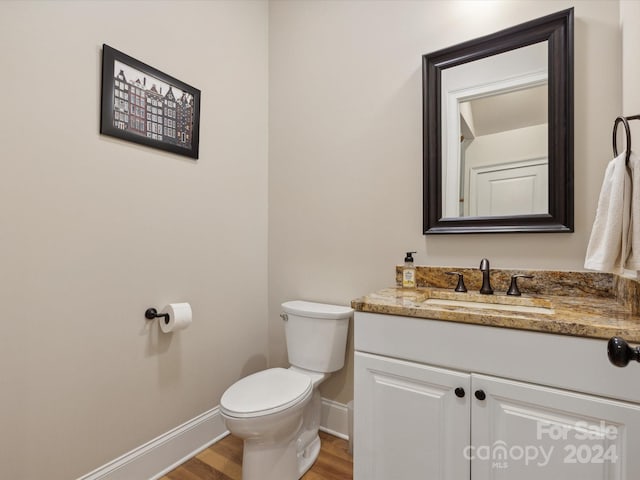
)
(277, 411)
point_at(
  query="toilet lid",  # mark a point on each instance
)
(266, 392)
(317, 310)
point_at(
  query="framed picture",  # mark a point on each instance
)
(144, 105)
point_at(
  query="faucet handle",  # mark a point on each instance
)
(460, 287)
(513, 288)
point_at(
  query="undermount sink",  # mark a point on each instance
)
(448, 302)
(502, 302)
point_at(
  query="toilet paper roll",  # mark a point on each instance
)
(179, 317)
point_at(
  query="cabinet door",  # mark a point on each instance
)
(524, 432)
(409, 424)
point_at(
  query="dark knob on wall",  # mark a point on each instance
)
(480, 395)
(620, 353)
(459, 392)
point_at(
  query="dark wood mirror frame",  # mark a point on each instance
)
(557, 29)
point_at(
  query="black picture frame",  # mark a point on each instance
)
(557, 29)
(143, 105)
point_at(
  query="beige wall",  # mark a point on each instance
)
(345, 147)
(94, 230)
(629, 21)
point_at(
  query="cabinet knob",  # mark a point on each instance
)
(620, 353)
(480, 395)
(459, 392)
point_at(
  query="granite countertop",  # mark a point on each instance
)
(584, 315)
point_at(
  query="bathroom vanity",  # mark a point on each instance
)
(460, 388)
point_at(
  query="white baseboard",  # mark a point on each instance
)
(334, 418)
(164, 453)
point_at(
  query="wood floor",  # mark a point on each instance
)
(223, 461)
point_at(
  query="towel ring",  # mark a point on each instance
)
(627, 132)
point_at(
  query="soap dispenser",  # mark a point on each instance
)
(409, 272)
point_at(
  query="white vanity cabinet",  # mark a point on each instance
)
(442, 400)
(408, 421)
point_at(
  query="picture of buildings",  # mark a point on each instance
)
(149, 107)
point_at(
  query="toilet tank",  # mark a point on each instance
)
(316, 334)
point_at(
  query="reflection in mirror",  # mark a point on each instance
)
(498, 131)
(504, 162)
(495, 156)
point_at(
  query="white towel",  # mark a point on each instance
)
(633, 260)
(608, 246)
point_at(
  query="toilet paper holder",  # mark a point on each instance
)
(152, 313)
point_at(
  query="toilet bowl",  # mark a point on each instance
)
(277, 411)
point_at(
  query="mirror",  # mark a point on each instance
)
(498, 131)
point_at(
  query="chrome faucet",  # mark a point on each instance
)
(486, 277)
